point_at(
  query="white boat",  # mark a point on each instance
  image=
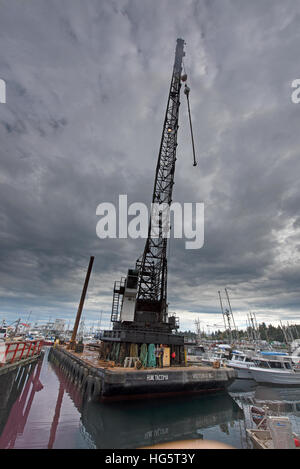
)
(276, 369)
(241, 362)
(194, 354)
(295, 348)
(277, 434)
(220, 354)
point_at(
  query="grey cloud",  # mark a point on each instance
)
(87, 86)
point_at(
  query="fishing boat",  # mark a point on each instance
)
(48, 341)
(194, 354)
(220, 354)
(241, 362)
(273, 368)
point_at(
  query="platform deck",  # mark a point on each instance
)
(90, 357)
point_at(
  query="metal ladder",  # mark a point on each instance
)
(116, 299)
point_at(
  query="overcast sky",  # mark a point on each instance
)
(87, 85)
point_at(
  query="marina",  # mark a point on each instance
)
(46, 410)
(206, 399)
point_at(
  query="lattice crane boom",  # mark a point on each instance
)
(152, 267)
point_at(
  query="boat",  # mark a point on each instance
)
(241, 362)
(103, 380)
(273, 432)
(194, 354)
(220, 354)
(48, 341)
(276, 369)
(3, 333)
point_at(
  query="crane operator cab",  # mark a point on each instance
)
(129, 296)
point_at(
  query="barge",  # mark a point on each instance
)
(102, 381)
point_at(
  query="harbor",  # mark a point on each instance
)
(46, 410)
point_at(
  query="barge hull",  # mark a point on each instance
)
(119, 383)
(166, 381)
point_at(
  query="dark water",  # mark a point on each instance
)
(40, 408)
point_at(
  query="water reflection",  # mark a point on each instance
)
(41, 408)
(36, 411)
(17, 393)
(279, 401)
(147, 422)
(131, 424)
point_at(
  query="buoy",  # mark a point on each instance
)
(297, 442)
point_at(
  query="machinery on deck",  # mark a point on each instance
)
(140, 308)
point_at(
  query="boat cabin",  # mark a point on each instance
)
(280, 363)
(241, 357)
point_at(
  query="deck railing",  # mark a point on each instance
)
(18, 350)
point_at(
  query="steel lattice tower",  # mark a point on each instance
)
(152, 267)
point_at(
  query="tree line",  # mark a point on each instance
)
(269, 333)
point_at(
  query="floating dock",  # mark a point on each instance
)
(100, 381)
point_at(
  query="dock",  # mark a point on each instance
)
(19, 353)
(99, 380)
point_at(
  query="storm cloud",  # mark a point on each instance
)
(87, 85)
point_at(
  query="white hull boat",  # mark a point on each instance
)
(219, 355)
(241, 362)
(275, 370)
(287, 377)
(242, 373)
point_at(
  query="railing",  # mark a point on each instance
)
(116, 333)
(13, 351)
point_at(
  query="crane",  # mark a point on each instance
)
(152, 290)
(139, 308)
